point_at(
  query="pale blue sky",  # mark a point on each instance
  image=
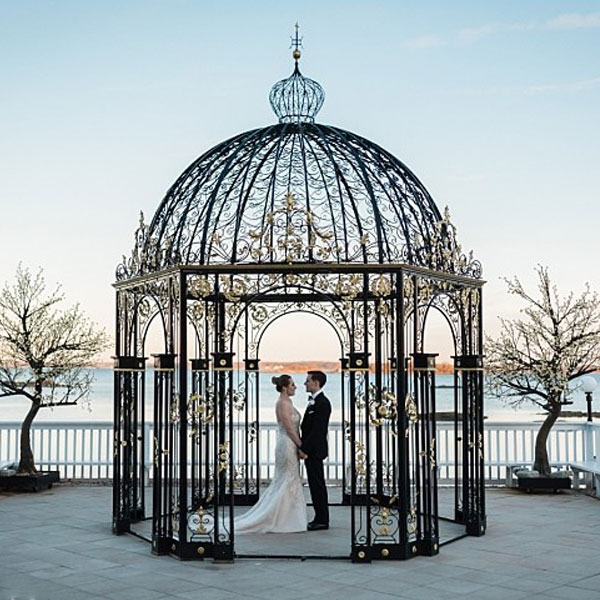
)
(494, 105)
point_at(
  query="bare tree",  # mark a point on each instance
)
(45, 351)
(535, 357)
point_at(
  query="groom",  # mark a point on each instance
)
(314, 446)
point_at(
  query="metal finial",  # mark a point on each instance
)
(297, 44)
(296, 99)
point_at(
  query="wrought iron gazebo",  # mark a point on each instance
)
(295, 217)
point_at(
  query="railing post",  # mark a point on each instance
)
(588, 443)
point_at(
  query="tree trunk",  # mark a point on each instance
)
(541, 463)
(26, 463)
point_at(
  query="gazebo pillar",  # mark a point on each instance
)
(128, 443)
(426, 456)
(163, 446)
(470, 374)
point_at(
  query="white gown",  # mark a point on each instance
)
(281, 508)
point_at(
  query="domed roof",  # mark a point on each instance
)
(297, 192)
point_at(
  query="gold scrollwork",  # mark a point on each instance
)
(411, 521)
(410, 407)
(252, 432)
(381, 286)
(233, 288)
(175, 518)
(238, 400)
(432, 462)
(174, 409)
(361, 459)
(348, 287)
(294, 230)
(384, 529)
(380, 410)
(223, 456)
(200, 287)
(155, 451)
(238, 477)
(202, 406)
(201, 527)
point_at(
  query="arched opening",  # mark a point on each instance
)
(439, 337)
(292, 342)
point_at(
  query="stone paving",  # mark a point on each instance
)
(57, 545)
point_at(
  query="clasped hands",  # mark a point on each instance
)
(301, 454)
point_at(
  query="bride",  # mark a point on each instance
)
(281, 508)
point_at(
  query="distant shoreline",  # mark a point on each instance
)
(301, 366)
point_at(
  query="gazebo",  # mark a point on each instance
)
(295, 217)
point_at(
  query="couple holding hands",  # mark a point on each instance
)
(282, 508)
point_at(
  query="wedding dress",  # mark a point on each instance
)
(281, 508)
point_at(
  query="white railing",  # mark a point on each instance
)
(83, 449)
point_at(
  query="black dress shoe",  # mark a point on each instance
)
(312, 526)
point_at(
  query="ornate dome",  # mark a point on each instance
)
(297, 192)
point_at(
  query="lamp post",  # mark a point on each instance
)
(588, 385)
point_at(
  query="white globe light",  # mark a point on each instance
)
(588, 384)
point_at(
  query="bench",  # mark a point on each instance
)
(590, 470)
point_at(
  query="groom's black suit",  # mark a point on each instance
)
(314, 443)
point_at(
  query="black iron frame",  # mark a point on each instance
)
(389, 403)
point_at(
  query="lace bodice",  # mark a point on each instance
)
(296, 418)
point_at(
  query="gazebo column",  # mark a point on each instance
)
(223, 455)
(201, 415)
(346, 449)
(426, 456)
(128, 443)
(360, 482)
(407, 422)
(249, 475)
(163, 443)
(470, 372)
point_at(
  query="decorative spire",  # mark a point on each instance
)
(296, 99)
(297, 44)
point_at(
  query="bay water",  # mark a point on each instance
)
(99, 407)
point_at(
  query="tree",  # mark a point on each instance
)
(536, 356)
(45, 351)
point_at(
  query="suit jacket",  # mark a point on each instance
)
(314, 428)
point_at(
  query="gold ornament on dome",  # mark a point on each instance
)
(293, 233)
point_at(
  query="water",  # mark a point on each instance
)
(100, 406)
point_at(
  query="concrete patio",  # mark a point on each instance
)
(57, 545)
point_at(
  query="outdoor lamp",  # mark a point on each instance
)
(588, 385)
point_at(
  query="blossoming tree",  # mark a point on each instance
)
(556, 340)
(45, 351)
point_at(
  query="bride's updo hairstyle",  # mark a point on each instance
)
(281, 381)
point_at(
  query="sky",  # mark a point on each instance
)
(494, 105)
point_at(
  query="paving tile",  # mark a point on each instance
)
(589, 583)
(568, 592)
(531, 549)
